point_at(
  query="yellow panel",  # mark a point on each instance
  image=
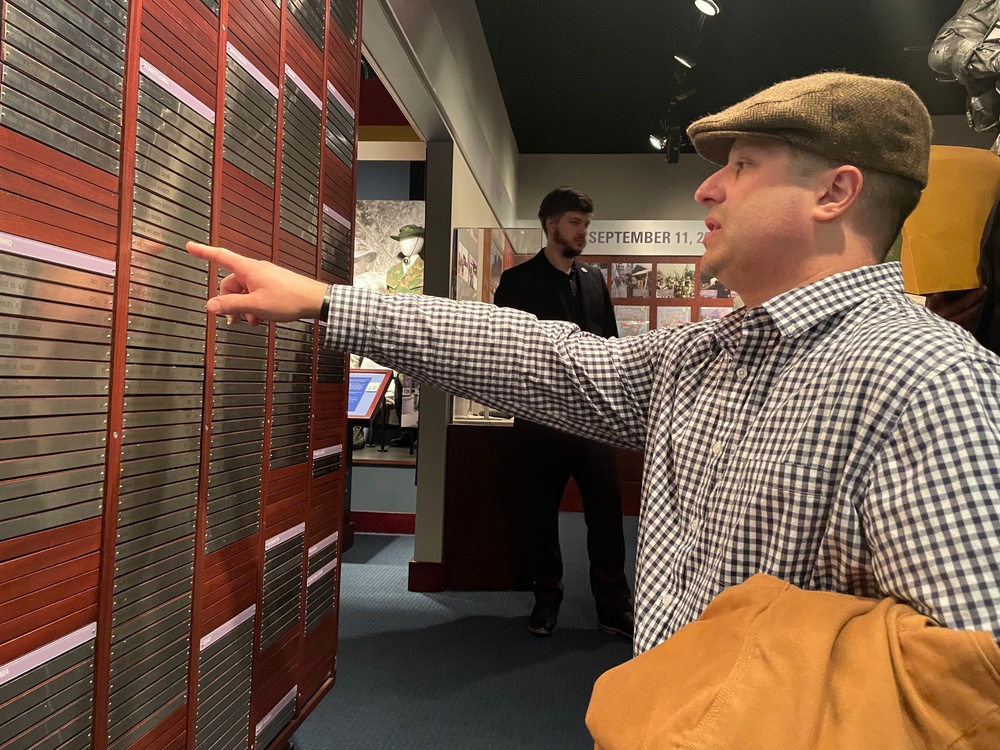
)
(941, 237)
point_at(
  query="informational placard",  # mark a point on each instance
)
(365, 391)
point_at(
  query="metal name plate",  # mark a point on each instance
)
(175, 204)
(35, 522)
(221, 483)
(150, 511)
(160, 464)
(52, 501)
(197, 290)
(135, 356)
(162, 403)
(24, 447)
(187, 488)
(52, 425)
(42, 290)
(166, 432)
(230, 440)
(162, 617)
(181, 346)
(152, 372)
(19, 265)
(33, 465)
(101, 120)
(53, 31)
(46, 349)
(146, 329)
(55, 330)
(18, 408)
(162, 388)
(223, 376)
(147, 481)
(181, 131)
(163, 105)
(153, 177)
(247, 445)
(158, 258)
(44, 129)
(149, 141)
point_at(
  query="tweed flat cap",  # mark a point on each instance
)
(871, 123)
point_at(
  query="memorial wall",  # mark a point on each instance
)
(171, 485)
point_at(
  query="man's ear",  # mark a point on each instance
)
(841, 188)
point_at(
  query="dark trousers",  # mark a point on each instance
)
(548, 459)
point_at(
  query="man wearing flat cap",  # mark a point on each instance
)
(831, 433)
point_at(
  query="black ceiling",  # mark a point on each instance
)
(593, 76)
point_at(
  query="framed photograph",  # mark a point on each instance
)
(713, 313)
(672, 317)
(711, 288)
(675, 280)
(632, 319)
(630, 280)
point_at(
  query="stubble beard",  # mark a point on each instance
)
(568, 250)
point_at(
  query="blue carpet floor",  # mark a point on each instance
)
(459, 670)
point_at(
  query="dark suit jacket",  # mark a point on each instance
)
(530, 287)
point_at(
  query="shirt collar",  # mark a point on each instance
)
(803, 308)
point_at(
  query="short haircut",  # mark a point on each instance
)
(886, 200)
(561, 200)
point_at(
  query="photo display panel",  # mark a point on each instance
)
(321, 584)
(282, 585)
(301, 148)
(236, 454)
(292, 403)
(55, 356)
(336, 249)
(47, 696)
(251, 118)
(63, 67)
(224, 681)
(161, 425)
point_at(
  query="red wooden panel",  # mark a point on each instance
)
(179, 41)
(12, 647)
(62, 201)
(275, 672)
(224, 608)
(320, 647)
(284, 514)
(62, 542)
(256, 25)
(241, 208)
(342, 67)
(292, 252)
(337, 195)
(169, 735)
(18, 584)
(304, 58)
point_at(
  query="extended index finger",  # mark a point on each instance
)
(225, 258)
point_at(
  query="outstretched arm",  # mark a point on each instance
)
(258, 291)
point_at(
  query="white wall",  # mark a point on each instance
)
(433, 55)
(469, 206)
(645, 186)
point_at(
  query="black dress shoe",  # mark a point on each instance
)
(542, 621)
(620, 623)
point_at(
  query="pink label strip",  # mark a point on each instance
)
(38, 657)
(320, 546)
(161, 80)
(339, 98)
(336, 217)
(305, 89)
(252, 69)
(223, 630)
(262, 724)
(333, 450)
(59, 255)
(284, 536)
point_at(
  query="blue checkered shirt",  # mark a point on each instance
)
(838, 437)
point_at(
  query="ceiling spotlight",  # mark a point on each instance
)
(684, 60)
(708, 7)
(656, 142)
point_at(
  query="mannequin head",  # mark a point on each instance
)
(411, 246)
(411, 241)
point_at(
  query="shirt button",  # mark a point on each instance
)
(716, 448)
(742, 373)
(666, 600)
